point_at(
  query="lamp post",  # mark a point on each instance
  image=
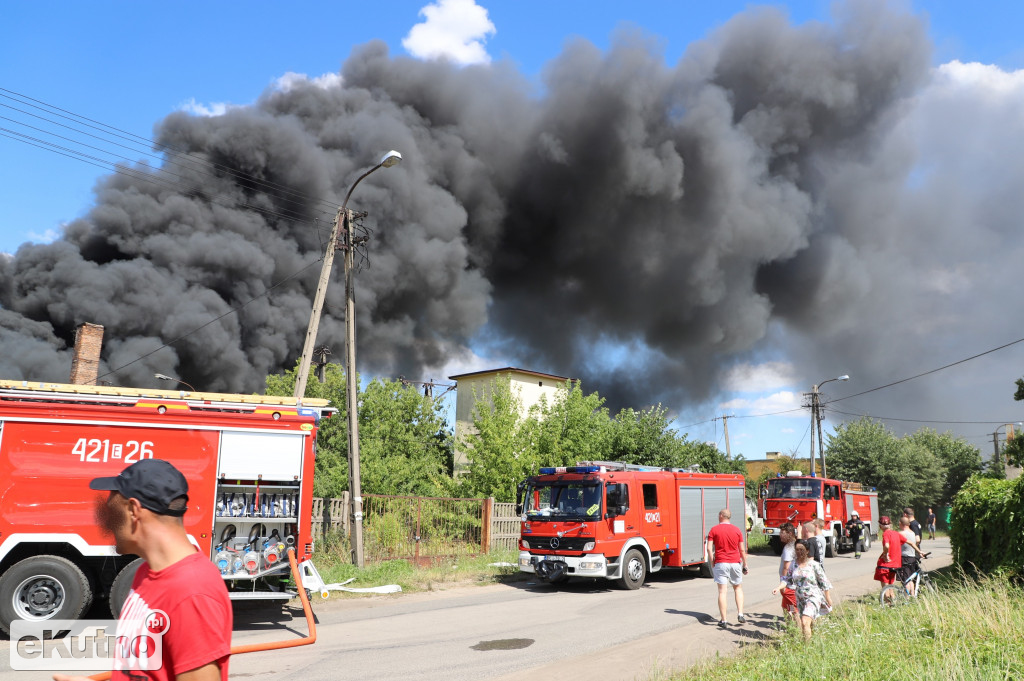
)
(343, 219)
(816, 422)
(164, 377)
(995, 441)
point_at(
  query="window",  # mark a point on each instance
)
(650, 496)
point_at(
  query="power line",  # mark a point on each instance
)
(137, 139)
(893, 418)
(926, 373)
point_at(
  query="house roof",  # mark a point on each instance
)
(506, 370)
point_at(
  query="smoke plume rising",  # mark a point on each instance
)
(639, 225)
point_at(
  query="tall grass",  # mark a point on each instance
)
(971, 630)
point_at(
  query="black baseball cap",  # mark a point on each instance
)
(155, 483)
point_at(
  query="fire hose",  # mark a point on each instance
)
(271, 645)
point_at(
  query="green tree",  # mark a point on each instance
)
(331, 475)
(904, 473)
(405, 444)
(1014, 449)
(501, 449)
(572, 427)
(645, 438)
(959, 459)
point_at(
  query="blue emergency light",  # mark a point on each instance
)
(550, 470)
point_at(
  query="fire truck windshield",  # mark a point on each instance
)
(794, 488)
(563, 500)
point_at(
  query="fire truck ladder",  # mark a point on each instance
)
(28, 390)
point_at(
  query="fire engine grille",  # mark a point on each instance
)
(557, 543)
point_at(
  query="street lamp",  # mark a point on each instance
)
(343, 219)
(1009, 436)
(816, 422)
(164, 377)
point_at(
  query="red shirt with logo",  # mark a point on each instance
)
(727, 540)
(174, 620)
(895, 540)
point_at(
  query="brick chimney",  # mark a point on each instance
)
(85, 367)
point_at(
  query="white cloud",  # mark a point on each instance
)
(782, 401)
(982, 76)
(292, 79)
(194, 107)
(750, 378)
(454, 30)
(48, 236)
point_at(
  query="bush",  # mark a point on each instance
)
(986, 526)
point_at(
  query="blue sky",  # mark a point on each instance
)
(130, 64)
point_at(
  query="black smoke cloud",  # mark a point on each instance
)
(677, 212)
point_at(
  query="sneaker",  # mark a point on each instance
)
(723, 624)
(741, 618)
(857, 556)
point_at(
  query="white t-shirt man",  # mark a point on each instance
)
(908, 548)
(788, 556)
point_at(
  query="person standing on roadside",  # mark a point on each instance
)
(915, 526)
(787, 535)
(819, 536)
(890, 561)
(855, 530)
(813, 590)
(176, 585)
(814, 547)
(931, 523)
(908, 553)
(725, 540)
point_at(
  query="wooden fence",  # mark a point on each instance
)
(500, 529)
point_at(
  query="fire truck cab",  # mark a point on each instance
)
(248, 459)
(619, 521)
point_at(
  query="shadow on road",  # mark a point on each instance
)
(270, 617)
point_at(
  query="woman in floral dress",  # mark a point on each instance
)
(807, 578)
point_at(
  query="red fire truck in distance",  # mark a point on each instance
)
(798, 498)
(249, 461)
(619, 521)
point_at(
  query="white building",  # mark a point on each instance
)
(528, 386)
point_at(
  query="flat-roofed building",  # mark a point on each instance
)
(528, 386)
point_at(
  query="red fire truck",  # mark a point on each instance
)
(798, 498)
(249, 461)
(619, 521)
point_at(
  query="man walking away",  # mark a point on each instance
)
(909, 552)
(819, 536)
(730, 563)
(931, 523)
(914, 525)
(855, 530)
(813, 546)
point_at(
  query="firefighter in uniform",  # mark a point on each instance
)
(855, 530)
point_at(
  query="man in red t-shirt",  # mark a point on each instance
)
(729, 564)
(177, 594)
(891, 559)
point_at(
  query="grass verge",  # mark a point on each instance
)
(333, 560)
(969, 630)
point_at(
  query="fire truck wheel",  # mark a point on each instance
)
(121, 586)
(634, 570)
(776, 544)
(707, 570)
(866, 539)
(42, 588)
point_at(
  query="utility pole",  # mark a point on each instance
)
(352, 394)
(814, 415)
(343, 219)
(725, 427)
(821, 440)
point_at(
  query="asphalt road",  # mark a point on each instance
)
(585, 629)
